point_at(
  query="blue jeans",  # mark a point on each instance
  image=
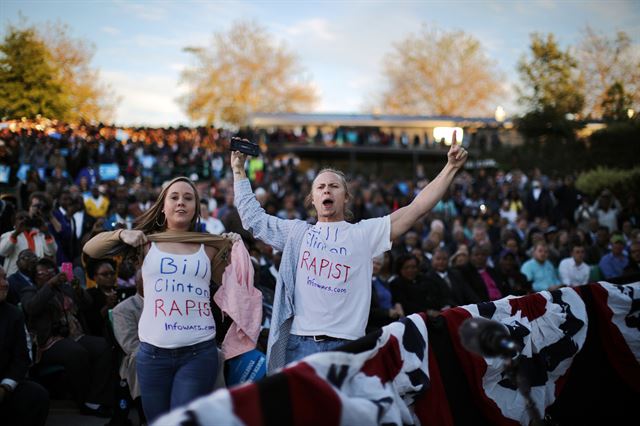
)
(170, 378)
(299, 347)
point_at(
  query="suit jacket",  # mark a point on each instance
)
(126, 316)
(17, 283)
(14, 356)
(440, 294)
(473, 278)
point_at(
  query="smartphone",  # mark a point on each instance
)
(244, 146)
(67, 268)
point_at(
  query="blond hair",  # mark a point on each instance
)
(308, 200)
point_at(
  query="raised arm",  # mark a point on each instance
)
(402, 219)
(270, 229)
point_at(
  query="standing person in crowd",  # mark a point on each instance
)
(103, 296)
(54, 310)
(31, 231)
(177, 358)
(126, 316)
(539, 271)
(326, 268)
(613, 263)
(22, 402)
(607, 209)
(573, 270)
(96, 204)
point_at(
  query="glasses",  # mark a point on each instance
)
(107, 274)
(45, 271)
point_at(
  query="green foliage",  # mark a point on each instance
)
(616, 103)
(617, 145)
(552, 91)
(28, 83)
(617, 180)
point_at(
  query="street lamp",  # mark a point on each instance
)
(500, 115)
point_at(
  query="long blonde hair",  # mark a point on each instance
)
(154, 220)
(308, 201)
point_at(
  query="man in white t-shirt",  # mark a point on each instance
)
(573, 270)
(324, 290)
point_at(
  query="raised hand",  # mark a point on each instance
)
(457, 155)
(237, 161)
(133, 237)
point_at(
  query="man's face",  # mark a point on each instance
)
(27, 262)
(329, 197)
(479, 259)
(617, 248)
(634, 252)
(541, 253)
(35, 207)
(439, 261)
(578, 254)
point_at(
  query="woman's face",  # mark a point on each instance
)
(44, 274)
(409, 269)
(105, 276)
(179, 206)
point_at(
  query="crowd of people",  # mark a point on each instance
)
(418, 245)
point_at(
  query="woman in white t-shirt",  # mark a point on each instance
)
(177, 359)
(326, 268)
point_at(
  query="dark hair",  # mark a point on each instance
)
(47, 263)
(402, 259)
(94, 265)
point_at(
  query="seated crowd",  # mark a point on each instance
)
(494, 235)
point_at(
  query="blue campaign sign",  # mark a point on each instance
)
(109, 171)
(248, 367)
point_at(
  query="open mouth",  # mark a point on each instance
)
(328, 203)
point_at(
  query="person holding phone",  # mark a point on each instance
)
(31, 231)
(323, 288)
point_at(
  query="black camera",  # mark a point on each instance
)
(244, 146)
(34, 222)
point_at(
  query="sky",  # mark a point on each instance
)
(340, 44)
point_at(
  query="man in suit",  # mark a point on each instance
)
(445, 287)
(23, 277)
(484, 281)
(22, 402)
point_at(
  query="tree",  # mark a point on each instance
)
(29, 84)
(243, 71)
(48, 72)
(441, 73)
(605, 62)
(616, 104)
(551, 90)
(89, 99)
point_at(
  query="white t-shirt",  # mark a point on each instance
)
(176, 310)
(333, 280)
(573, 275)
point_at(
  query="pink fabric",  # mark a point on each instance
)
(238, 298)
(492, 288)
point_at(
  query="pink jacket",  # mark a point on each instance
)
(238, 298)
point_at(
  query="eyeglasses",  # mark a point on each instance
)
(107, 274)
(46, 271)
